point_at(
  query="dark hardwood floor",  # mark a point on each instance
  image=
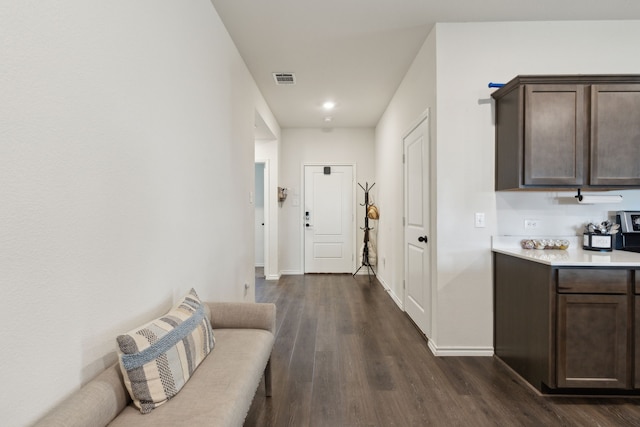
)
(345, 355)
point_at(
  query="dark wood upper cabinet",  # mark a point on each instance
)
(567, 132)
(615, 135)
(554, 134)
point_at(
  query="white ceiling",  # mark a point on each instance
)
(356, 52)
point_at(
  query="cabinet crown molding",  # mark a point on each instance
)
(586, 79)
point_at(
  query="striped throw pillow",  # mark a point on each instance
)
(158, 358)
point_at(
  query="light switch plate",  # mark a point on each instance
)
(480, 220)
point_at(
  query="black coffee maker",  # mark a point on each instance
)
(628, 238)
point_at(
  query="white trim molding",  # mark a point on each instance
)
(460, 350)
(393, 296)
(290, 272)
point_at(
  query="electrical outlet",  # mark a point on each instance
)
(531, 224)
(480, 220)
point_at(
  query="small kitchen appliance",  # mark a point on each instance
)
(599, 237)
(628, 239)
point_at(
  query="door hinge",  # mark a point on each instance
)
(403, 159)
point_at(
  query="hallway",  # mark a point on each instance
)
(345, 355)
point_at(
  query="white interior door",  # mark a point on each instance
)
(328, 219)
(417, 293)
(260, 215)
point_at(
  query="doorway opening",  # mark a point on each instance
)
(261, 221)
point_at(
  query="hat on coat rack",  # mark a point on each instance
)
(372, 212)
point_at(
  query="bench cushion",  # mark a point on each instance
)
(221, 392)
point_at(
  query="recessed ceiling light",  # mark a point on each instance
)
(329, 105)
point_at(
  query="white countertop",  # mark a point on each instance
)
(575, 256)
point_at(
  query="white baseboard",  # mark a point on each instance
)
(384, 284)
(272, 277)
(365, 270)
(392, 294)
(460, 351)
(259, 265)
(298, 272)
(290, 272)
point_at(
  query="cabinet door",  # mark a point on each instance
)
(615, 135)
(524, 300)
(637, 337)
(554, 134)
(592, 341)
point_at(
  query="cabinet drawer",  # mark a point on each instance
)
(580, 281)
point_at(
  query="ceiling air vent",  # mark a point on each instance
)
(284, 78)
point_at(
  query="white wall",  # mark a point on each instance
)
(414, 96)
(299, 146)
(468, 57)
(126, 163)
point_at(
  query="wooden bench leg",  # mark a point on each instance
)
(267, 379)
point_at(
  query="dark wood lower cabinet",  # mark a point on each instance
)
(567, 328)
(637, 339)
(523, 326)
(592, 341)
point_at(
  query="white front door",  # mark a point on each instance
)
(328, 219)
(417, 293)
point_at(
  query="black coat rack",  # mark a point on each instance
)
(366, 228)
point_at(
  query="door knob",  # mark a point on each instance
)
(423, 239)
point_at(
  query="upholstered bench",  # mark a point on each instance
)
(218, 393)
